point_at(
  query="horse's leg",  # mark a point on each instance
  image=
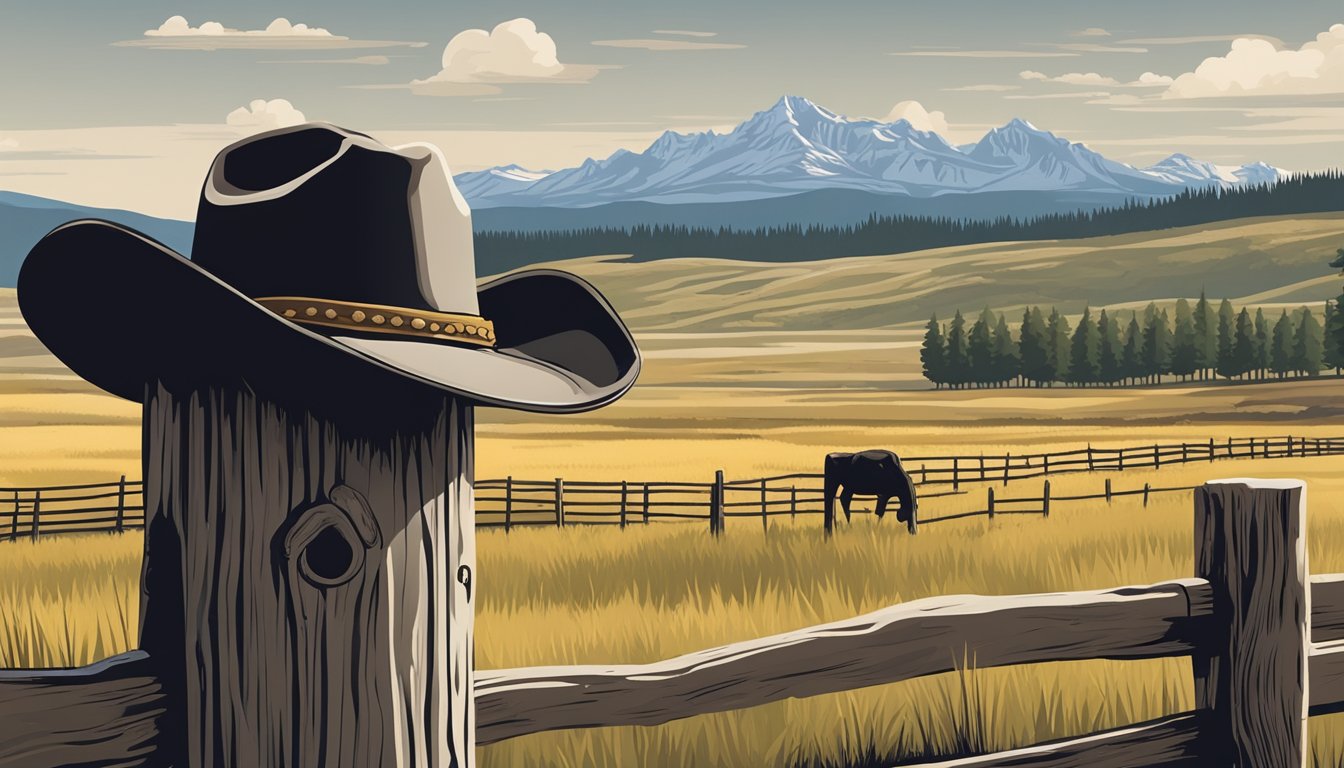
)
(832, 486)
(906, 493)
(882, 507)
(845, 498)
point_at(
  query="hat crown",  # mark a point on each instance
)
(315, 210)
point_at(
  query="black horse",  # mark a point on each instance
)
(872, 473)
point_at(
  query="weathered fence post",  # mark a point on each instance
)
(956, 474)
(1090, 466)
(1185, 447)
(1046, 466)
(508, 503)
(1007, 460)
(646, 503)
(1120, 460)
(716, 504)
(1157, 461)
(559, 502)
(989, 501)
(1108, 490)
(1045, 499)
(793, 502)
(1229, 446)
(1146, 487)
(1210, 449)
(623, 492)
(765, 518)
(121, 505)
(14, 521)
(982, 467)
(1251, 673)
(37, 512)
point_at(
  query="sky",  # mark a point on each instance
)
(124, 104)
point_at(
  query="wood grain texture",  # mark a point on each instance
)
(1327, 607)
(910, 640)
(105, 714)
(1326, 671)
(1171, 742)
(1251, 673)
(308, 582)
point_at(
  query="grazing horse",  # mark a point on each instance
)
(872, 473)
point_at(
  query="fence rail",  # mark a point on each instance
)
(511, 502)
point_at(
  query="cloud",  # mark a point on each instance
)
(176, 33)
(1091, 32)
(685, 32)
(475, 62)
(8, 144)
(1094, 79)
(987, 54)
(1260, 68)
(1152, 78)
(1099, 48)
(265, 115)
(367, 60)
(1192, 39)
(667, 45)
(919, 118)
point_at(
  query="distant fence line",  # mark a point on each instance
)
(509, 502)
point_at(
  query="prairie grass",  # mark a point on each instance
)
(598, 595)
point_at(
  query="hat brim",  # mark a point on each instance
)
(122, 310)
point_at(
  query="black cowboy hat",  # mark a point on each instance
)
(314, 243)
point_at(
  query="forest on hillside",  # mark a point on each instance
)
(500, 250)
(1149, 347)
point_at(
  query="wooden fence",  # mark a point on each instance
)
(1266, 641)
(509, 502)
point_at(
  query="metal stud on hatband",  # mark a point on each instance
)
(397, 321)
(290, 313)
(358, 316)
(311, 311)
(330, 314)
(379, 319)
(417, 323)
(471, 329)
(434, 327)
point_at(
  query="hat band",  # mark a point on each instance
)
(378, 318)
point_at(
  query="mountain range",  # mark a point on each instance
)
(797, 147)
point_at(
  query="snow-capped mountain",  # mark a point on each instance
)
(797, 146)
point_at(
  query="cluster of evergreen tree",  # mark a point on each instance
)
(1199, 342)
(499, 250)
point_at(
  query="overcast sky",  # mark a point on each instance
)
(124, 104)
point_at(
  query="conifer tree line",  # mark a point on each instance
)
(1200, 342)
(499, 250)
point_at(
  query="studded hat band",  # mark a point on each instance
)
(377, 318)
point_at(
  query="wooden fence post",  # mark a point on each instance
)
(1046, 466)
(121, 505)
(1108, 490)
(793, 502)
(1184, 455)
(508, 503)
(1156, 459)
(989, 501)
(37, 511)
(1007, 460)
(982, 467)
(1251, 674)
(1120, 455)
(1045, 499)
(956, 474)
(1090, 466)
(623, 492)
(646, 503)
(765, 518)
(14, 521)
(559, 502)
(716, 504)
(1210, 449)
(923, 474)
(1146, 487)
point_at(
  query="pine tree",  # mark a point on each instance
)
(980, 348)
(1184, 354)
(1308, 346)
(1281, 351)
(1034, 348)
(1006, 364)
(958, 360)
(1243, 344)
(1156, 343)
(1085, 351)
(1206, 337)
(1227, 321)
(1057, 341)
(1111, 349)
(934, 353)
(1132, 357)
(1264, 343)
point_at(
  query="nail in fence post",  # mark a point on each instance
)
(1251, 673)
(765, 518)
(37, 511)
(646, 503)
(623, 490)
(990, 502)
(1045, 499)
(121, 505)
(559, 502)
(508, 503)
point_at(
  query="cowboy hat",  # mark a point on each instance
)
(316, 245)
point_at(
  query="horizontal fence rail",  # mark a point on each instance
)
(514, 502)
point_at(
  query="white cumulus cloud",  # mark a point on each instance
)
(265, 115)
(177, 33)
(1146, 80)
(474, 61)
(1259, 67)
(1092, 32)
(919, 118)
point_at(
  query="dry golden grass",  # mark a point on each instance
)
(586, 595)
